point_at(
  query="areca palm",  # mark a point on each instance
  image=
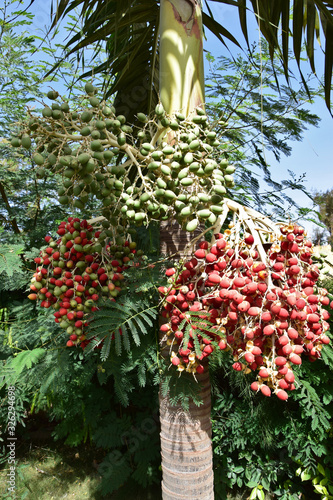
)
(154, 51)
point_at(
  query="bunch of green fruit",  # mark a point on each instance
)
(168, 167)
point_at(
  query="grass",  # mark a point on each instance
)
(47, 473)
(48, 470)
(52, 471)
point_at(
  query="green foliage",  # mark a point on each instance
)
(324, 201)
(130, 316)
(261, 443)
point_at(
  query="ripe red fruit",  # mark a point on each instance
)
(263, 373)
(324, 339)
(290, 377)
(266, 316)
(210, 257)
(175, 361)
(249, 240)
(243, 306)
(200, 369)
(300, 303)
(265, 390)
(221, 244)
(282, 395)
(223, 344)
(283, 384)
(249, 357)
(268, 330)
(295, 359)
(280, 361)
(313, 318)
(254, 386)
(70, 343)
(258, 266)
(253, 311)
(214, 278)
(200, 253)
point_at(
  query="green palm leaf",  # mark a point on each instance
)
(130, 30)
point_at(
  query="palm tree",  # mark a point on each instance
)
(154, 51)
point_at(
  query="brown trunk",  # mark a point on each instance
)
(186, 448)
(173, 239)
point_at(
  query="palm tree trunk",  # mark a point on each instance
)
(186, 446)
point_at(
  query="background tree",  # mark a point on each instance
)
(324, 201)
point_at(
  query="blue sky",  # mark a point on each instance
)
(313, 156)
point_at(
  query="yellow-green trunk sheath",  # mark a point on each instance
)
(181, 56)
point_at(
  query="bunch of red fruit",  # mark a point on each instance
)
(77, 270)
(263, 306)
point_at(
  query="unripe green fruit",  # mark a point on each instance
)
(57, 114)
(78, 204)
(229, 180)
(121, 139)
(94, 101)
(187, 181)
(142, 117)
(86, 116)
(108, 155)
(186, 211)
(180, 117)
(96, 146)
(194, 145)
(219, 189)
(165, 170)
(26, 141)
(64, 107)
(230, 169)
(174, 125)
(121, 119)
(89, 88)
(139, 216)
(216, 209)
(204, 197)
(165, 122)
(52, 94)
(52, 159)
(127, 129)
(188, 158)
(85, 131)
(100, 124)
(55, 105)
(159, 110)
(161, 183)
(15, 142)
(192, 225)
(107, 111)
(168, 150)
(170, 195)
(39, 159)
(83, 158)
(145, 197)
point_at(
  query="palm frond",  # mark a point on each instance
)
(129, 30)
